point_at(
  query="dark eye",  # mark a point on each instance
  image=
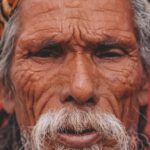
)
(54, 51)
(108, 52)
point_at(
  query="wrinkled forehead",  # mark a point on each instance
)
(77, 9)
(50, 17)
(39, 5)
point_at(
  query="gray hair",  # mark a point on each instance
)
(7, 46)
(142, 21)
(54, 122)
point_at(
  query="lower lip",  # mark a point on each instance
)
(78, 141)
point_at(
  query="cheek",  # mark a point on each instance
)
(37, 88)
(123, 78)
(123, 81)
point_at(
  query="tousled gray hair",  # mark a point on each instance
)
(142, 21)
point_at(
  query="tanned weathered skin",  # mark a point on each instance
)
(93, 57)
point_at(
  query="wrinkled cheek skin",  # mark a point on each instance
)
(39, 91)
(124, 85)
(40, 88)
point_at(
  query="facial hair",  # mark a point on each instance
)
(52, 122)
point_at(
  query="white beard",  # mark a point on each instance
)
(50, 123)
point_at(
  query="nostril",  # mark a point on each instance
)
(69, 99)
(90, 101)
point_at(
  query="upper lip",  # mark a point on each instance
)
(78, 138)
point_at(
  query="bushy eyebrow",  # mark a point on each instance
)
(123, 41)
(48, 43)
(113, 44)
(100, 46)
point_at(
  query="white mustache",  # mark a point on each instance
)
(52, 122)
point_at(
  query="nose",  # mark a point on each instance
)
(81, 87)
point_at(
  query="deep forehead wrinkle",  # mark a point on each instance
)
(35, 39)
(82, 10)
(89, 5)
(78, 19)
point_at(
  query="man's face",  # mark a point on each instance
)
(80, 57)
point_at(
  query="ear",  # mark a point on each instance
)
(144, 93)
(7, 100)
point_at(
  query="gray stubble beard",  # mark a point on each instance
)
(50, 123)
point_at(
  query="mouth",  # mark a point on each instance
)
(78, 139)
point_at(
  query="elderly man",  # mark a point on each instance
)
(76, 73)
